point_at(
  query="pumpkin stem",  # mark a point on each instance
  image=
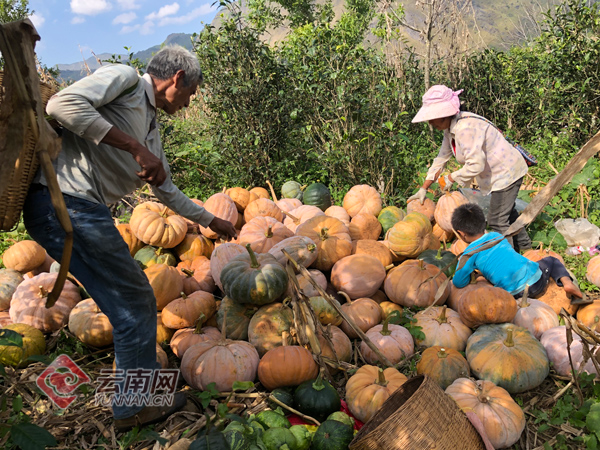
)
(311, 247)
(318, 383)
(188, 272)
(473, 278)
(183, 296)
(323, 234)
(442, 318)
(269, 233)
(346, 296)
(253, 261)
(439, 254)
(164, 212)
(381, 381)
(421, 264)
(199, 322)
(509, 342)
(524, 302)
(391, 266)
(284, 338)
(385, 330)
(43, 292)
(272, 190)
(159, 251)
(442, 353)
(294, 218)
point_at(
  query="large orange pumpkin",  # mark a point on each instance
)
(331, 238)
(342, 346)
(221, 256)
(458, 246)
(187, 337)
(24, 256)
(557, 299)
(166, 283)
(260, 192)
(306, 286)
(263, 207)
(589, 315)
(185, 311)
(509, 356)
(241, 197)
(286, 365)
(194, 245)
(28, 304)
(373, 248)
(130, 239)
(364, 312)
(446, 205)
(443, 365)
(90, 325)
(163, 333)
(364, 226)
(502, 418)
(394, 341)
(415, 283)
(369, 388)
(223, 207)
(199, 270)
(562, 354)
(222, 362)
(441, 234)
(427, 208)
(263, 233)
(155, 224)
(540, 253)
(486, 304)
(358, 275)
(288, 204)
(362, 199)
(9, 280)
(593, 270)
(442, 327)
(339, 213)
(300, 215)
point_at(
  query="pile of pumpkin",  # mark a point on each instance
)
(366, 263)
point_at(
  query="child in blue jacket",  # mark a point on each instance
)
(500, 264)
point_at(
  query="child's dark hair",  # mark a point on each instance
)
(469, 219)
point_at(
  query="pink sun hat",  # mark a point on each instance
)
(438, 102)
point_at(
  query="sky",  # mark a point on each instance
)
(70, 28)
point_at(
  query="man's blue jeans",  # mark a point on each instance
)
(102, 262)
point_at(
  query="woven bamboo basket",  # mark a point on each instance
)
(418, 416)
(13, 197)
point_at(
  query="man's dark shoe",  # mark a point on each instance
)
(151, 414)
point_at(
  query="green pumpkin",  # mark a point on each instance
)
(148, 256)
(215, 440)
(284, 395)
(303, 436)
(332, 435)
(440, 258)
(255, 279)
(272, 419)
(292, 189)
(235, 435)
(317, 398)
(341, 416)
(390, 216)
(238, 318)
(9, 280)
(318, 195)
(33, 343)
(324, 311)
(279, 439)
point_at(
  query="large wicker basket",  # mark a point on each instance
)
(13, 197)
(418, 416)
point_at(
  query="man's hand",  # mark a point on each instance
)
(420, 195)
(152, 171)
(224, 229)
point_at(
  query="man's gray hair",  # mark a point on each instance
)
(169, 60)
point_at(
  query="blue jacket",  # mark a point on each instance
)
(500, 265)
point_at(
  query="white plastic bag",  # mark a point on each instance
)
(578, 232)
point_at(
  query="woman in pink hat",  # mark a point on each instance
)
(485, 154)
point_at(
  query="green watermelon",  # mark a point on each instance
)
(279, 439)
(272, 419)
